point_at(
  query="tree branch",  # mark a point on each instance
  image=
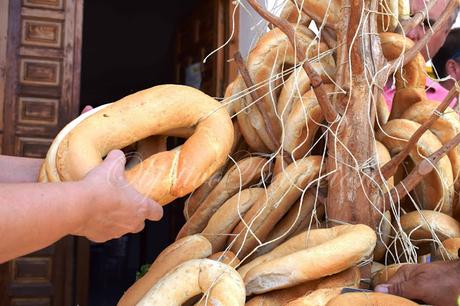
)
(255, 96)
(329, 38)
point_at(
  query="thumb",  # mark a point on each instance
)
(155, 211)
(115, 164)
(407, 289)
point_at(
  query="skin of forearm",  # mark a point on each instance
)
(34, 216)
(15, 169)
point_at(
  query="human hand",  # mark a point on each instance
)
(114, 207)
(436, 283)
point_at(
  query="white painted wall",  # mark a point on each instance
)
(251, 27)
(457, 23)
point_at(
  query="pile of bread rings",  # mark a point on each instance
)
(256, 231)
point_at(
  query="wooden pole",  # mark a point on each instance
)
(352, 195)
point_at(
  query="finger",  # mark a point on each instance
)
(96, 238)
(154, 211)
(382, 288)
(400, 282)
(408, 289)
(139, 228)
(115, 163)
(86, 109)
(403, 274)
(116, 156)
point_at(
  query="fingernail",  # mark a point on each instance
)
(160, 211)
(382, 288)
(87, 108)
(117, 154)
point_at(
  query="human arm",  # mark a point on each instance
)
(16, 169)
(102, 206)
(19, 169)
(436, 283)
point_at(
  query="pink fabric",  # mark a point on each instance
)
(434, 91)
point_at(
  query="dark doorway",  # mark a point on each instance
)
(127, 47)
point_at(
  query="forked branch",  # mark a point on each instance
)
(422, 169)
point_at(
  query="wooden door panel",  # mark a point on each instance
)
(32, 146)
(39, 90)
(32, 269)
(41, 277)
(41, 33)
(4, 13)
(45, 4)
(31, 302)
(40, 72)
(39, 111)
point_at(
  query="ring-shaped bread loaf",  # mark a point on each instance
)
(272, 54)
(188, 248)
(330, 12)
(250, 127)
(318, 297)
(344, 247)
(50, 160)
(246, 172)
(226, 257)
(383, 275)
(279, 197)
(348, 278)
(436, 189)
(166, 175)
(221, 283)
(369, 299)
(410, 79)
(420, 225)
(224, 220)
(449, 249)
(291, 13)
(302, 124)
(446, 127)
(300, 216)
(298, 83)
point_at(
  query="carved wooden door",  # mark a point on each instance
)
(207, 28)
(39, 88)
